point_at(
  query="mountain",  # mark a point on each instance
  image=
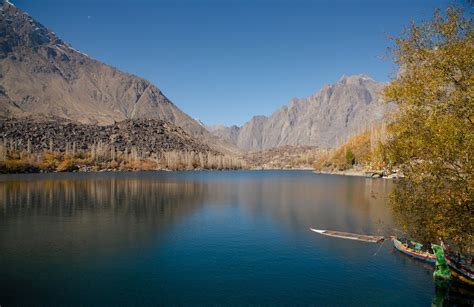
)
(325, 119)
(228, 134)
(42, 74)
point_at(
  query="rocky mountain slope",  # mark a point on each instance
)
(51, 133)
(42, 74)
(228, 134)
(325, 119)
(284, 157)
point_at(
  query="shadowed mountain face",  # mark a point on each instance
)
(41, 74)
(325, 119)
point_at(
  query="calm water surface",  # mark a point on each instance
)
(199, 238)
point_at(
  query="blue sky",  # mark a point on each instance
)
(225, 61)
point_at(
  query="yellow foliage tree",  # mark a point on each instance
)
(432, 138)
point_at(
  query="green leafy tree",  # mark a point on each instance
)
(431, 138)
(350, 158)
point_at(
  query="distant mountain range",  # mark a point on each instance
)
(325, 119)
(42, 74)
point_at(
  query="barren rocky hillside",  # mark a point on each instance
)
(326, 119)
(284, 157)
(42, 74)
(48, 133)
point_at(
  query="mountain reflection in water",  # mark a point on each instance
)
(97, 210)
(199, 237)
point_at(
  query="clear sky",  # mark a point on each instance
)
(225, 61)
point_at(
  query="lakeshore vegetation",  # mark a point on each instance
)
(100, 156)
(431, 138)
(361, 150)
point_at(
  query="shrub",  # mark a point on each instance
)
(67, 165)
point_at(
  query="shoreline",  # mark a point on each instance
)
(358, 172)
(349, 173)
(353, 172)
(156, 170)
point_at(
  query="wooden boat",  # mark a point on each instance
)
(460, 270)
(415, 253)
(348, 235)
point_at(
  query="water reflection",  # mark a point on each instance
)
(99, 214)
(146, 205)
(170, 237)
(348, 204)
(95, 215)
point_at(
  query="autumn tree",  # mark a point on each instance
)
(350, 159)
(431, 139)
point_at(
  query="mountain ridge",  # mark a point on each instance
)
(325, 119)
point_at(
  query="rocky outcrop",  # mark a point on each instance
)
(46, 133)
(284, 157)
(325, 119)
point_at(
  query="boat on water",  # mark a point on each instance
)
(348, 235)
(414, 249)
(460, 268)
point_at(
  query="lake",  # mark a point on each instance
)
(185, 238)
